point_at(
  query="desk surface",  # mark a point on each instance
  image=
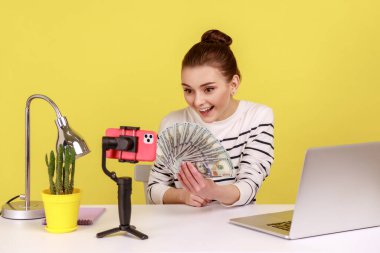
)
(178, 228)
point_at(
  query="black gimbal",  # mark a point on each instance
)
(122, 143)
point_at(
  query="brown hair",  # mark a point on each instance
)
(213, 50)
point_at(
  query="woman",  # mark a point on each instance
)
(210, 79)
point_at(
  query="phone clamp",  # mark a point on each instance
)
(122, 143)
(134, 148)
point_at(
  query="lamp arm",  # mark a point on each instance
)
(59, 115)
(27, 142)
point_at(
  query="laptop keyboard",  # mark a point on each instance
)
(281, 225)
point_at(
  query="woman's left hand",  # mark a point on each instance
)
(193, 181)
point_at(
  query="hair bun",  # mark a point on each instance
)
(216, 36)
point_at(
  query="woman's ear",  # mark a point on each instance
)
(235, 83)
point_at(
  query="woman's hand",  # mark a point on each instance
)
(193, 200)
(183, 196)
(194, 182)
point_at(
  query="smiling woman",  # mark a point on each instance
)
(207, 92)
(210, 79)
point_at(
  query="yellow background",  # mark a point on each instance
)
(112, 63)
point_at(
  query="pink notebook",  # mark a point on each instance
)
(87, 215)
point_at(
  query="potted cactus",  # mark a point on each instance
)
(61, 200)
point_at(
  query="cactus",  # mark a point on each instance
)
(51, 168)
(71, 186)
(58, 183)
(64, 167)
(66, 171)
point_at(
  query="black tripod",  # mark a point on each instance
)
(124, 143)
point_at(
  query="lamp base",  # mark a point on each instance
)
(16, 210)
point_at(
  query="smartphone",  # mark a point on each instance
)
(146, 145)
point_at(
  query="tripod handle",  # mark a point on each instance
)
(124, 200)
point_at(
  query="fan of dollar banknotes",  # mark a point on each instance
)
(189, 142)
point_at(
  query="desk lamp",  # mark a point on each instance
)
(27, 209)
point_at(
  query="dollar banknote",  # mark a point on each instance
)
(189, 142)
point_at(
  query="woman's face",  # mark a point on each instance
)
(208, 92)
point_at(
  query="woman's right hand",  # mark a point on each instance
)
(193, 200)
(182, 196)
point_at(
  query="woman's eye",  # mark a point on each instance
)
(187, 91)
(207, 90)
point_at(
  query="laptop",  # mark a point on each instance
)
(339, 191)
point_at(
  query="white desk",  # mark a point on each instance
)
(178, 228)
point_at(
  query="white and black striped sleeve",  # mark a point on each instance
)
(256, 159)
(160, 180)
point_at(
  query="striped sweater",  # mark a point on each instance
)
(247, 135)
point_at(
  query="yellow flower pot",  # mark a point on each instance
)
(61, 211)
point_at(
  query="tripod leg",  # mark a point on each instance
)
(133, 231)
(108, 232)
